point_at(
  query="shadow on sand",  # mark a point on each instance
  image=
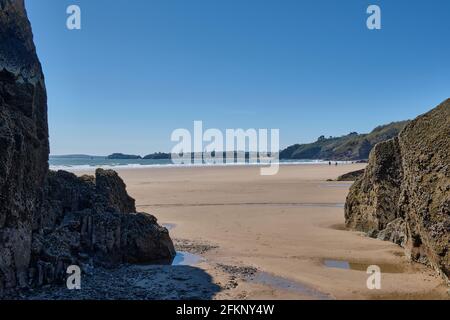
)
(135, 282)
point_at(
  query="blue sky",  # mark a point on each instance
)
(140, 69)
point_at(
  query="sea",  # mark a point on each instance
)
(74, 163)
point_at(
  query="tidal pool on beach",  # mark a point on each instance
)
(186, 259)
(169, 226)
(281, 283)
(357, 266)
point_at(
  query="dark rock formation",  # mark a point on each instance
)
(50, 220)
(159, 156)
(23, 141)
(123, 156)
(351, 176)
(404, 194)
(88, 226)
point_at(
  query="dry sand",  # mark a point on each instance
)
(267, 237)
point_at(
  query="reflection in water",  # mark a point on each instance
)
(337, 264)
(186, 259)
(288, 285)
(357, 266)
(169, 226)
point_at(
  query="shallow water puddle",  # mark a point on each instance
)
(337, 264)
(169, 226)
(186, 259)
(281, 283)
(357, 266)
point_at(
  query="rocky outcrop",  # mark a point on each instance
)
(404, 194)
(87, 226)
(351, 147)
(119, 156)
(49, 220)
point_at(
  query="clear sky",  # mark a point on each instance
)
(138, 69)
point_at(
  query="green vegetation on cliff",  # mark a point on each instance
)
(115, 156)
(353, 146)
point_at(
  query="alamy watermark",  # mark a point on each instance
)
(73, 21)
(74, 279)
(235, 146)
(374, 20)
(374, 280)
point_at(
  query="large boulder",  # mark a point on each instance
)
(49, 220)
(404, 194)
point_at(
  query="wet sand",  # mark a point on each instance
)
(275, 237)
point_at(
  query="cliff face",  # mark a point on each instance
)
(51, 220)
(23, 141)
(404, 195)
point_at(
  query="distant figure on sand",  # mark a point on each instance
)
(336, 163)
(329, 163)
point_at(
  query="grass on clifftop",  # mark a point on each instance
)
(353, 146)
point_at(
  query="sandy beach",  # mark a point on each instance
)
(275, 237)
